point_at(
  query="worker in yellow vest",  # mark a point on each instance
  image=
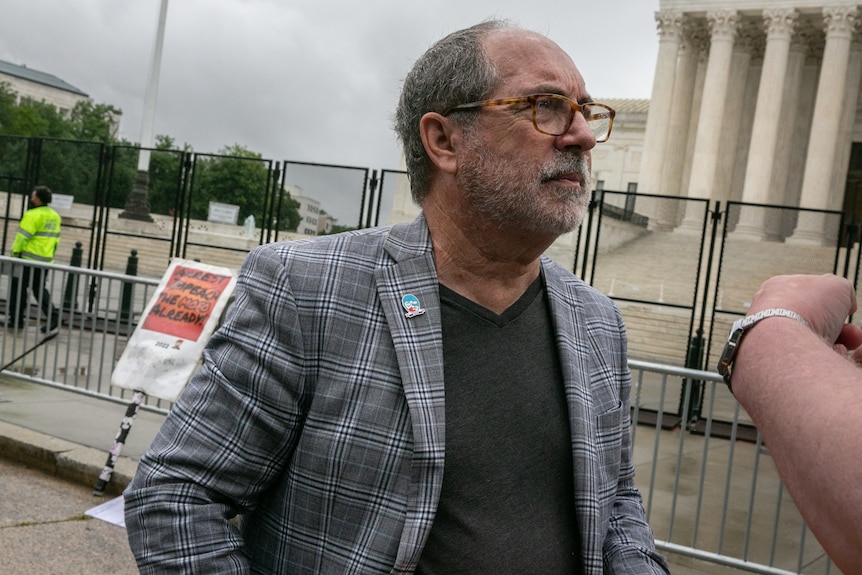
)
(37, 239)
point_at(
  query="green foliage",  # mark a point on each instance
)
(38, 118)
(70, 167)
(235, 176)
(79, 154)
(240, 177)
(166, 176)
(288, 215)
(336, 229)
(86, 121)
(94, 122)
(7, 105)
(66, 148)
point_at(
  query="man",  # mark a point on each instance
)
(435, 397)
(805, 399)
(37, 239)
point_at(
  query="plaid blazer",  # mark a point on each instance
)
(318, 415)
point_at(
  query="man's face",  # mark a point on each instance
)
(34, 199)
(511, 173)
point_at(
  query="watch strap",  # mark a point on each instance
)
(742, 325)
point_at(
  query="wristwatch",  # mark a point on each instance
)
(742, 325)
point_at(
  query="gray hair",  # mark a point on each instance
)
(453, 71)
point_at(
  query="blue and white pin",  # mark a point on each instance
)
(411, 303)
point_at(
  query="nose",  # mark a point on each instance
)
(579, 135)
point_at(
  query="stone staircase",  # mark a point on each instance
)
(659, 270)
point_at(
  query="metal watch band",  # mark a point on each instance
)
(742, 325)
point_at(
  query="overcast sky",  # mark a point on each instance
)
(302, 80)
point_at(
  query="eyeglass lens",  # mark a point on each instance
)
(555, 115)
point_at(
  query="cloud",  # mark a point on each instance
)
(311, 81)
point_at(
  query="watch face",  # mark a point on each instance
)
(729, 353)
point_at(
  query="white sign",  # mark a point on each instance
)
(165, 349)
(111, 511)
(223, 213)
(62, 202)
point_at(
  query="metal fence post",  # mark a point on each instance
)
(70, 296)
(128, 287)
(690, 411)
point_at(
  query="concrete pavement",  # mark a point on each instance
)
(43, 529)
(68, 434)
(53, 445)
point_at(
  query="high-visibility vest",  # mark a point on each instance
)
(38, 235)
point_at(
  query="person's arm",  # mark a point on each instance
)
(806, 400)
(227, 437)
(26, 229)
(629, 545)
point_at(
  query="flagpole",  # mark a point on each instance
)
(137, 206)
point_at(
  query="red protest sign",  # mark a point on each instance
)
(183, 307)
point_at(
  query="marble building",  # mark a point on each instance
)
(756, 101)
(753, 101)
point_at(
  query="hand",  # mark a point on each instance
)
(849, 343)
(824, 301)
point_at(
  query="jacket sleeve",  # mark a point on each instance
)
(227, 437)
(26, 229)
(629, 546)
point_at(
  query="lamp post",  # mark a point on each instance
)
(138, 205)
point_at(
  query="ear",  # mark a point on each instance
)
(440, 138)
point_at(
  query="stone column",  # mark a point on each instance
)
(741, 97)
(665, 217)
(706, 149)
(700, 77)
(791, 103)
(819, 188)
(848, 117)
(655, 137)
(814, 40)
(780, 24)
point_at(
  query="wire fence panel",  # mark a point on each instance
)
(99, 311)
(712, 497)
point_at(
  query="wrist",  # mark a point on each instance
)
(741, 327)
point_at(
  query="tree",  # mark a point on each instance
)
(94, 122)
(86, 121)
(79, 154)
(67, 148)
(8, 101)
(165, 175)
(240, 177)
(336, 229)
(288, 215)
(235, 176)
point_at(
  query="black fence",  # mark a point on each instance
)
(680, 269)
(161, 200)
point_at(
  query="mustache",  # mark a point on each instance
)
(566, 164)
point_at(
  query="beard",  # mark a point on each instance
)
(515, 196)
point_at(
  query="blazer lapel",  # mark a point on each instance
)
(417, 339)
(576, 357)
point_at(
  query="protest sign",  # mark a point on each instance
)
(165, 349)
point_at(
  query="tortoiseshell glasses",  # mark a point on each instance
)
(553, 114)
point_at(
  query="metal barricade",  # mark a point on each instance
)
(714, 494)
(98, 311)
